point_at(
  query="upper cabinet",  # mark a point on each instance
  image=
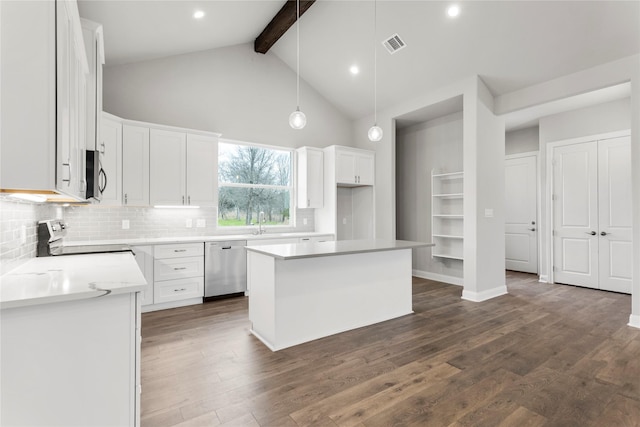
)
(310, 177)
(94, 48)
(354, 166)
(182, 169)
(110, 149)
(135, 165)
(43, 78)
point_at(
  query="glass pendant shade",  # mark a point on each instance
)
(375, 133)
(297, 119)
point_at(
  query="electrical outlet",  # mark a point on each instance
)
(189, 223)
(344, 221)
(125, 224)
(201, 223)
(488, 213)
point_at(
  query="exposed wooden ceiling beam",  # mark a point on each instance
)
(279, 25)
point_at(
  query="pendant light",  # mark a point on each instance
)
(297, 119)
(375, 132)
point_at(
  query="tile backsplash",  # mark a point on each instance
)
(18, 230)
(95, 222)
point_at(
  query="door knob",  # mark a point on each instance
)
(603, 233)
(593, 233)
(532, 229)
(533, 223)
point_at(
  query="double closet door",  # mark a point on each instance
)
(592, 214)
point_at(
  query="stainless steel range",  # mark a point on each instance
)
(51, 233)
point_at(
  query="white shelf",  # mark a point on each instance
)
(447, 202)
(450, 195)
(448, 256)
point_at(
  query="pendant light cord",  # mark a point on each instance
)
(375, 64)
(298, 55)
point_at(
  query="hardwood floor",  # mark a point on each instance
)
(544, 355)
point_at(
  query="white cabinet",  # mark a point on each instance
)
(354, 167)
(110, 149)
(447, 214)
(310, 177)
(182, 169)
(42, 74)
(178, 272)
(144, 258)
(135, 165)
(94, 48)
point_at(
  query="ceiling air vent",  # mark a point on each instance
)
(394, 44)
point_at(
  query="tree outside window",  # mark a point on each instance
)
(253, 179)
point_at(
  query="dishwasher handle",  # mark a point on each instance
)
(226, 247)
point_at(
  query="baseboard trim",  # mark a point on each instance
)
(634, 321)
(544, 279)
(484, 295)
(452, 280)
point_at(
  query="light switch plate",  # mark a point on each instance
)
(125, 224)
(201, 223)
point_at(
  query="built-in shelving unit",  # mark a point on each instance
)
(447, 215)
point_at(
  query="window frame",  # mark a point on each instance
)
(291, 188)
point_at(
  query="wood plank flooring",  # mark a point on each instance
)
(544, 355)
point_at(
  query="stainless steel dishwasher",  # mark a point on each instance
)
(225, 269)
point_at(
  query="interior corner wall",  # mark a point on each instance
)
(244, 95)
(434, 144)
(634, 318)
(522, 140)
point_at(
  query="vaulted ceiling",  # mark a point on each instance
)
(510, 44)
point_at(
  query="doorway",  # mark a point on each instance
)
(591, 213)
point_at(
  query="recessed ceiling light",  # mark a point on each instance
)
(354, 69)
(453, 11)
(198, 14)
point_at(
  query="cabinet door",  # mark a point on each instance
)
(65, 163)
(201, 170)
(110, 148)
(365, 168)
(345, 167)
(167, 165)
(310, 178)
(135, 165)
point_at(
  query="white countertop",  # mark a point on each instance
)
(340, 247)
(194, 239)
(64, 278)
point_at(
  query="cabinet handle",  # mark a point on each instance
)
(180, 290)
(308, 202)
(603, 233)
(355, 178)
(188, 200)
(125, 198)
(183, 200)
(104, 148)
(179, 250)
(179, 268)
(593, 233)
(532, 229)
(68, 181)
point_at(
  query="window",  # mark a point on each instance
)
(253, 179)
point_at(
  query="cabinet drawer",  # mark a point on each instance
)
(178, 251)
(179, 289)
(178, 268)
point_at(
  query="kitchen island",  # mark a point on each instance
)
(70, 331)
(302, 292)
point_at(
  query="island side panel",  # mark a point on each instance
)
(322, 296)
(261, 285)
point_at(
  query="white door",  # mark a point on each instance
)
(614, 199)
(575, 214)
(521, 241)
(592, 214)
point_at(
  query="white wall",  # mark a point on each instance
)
(522, 140)
(435, 144)
(244, 95)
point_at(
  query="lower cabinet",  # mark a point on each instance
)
(177, 275)
(144, 258)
